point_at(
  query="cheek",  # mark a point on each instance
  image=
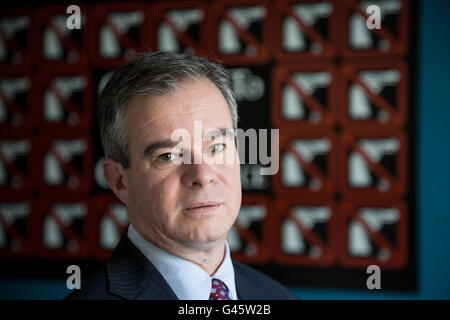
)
(165, 194)
(142, 189)
(153, 192)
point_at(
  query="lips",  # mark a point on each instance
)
(206, 204)
(203, 208)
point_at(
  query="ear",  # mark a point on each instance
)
(117, 179)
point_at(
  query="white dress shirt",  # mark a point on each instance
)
(187, 280)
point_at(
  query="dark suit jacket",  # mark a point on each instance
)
(128, 274)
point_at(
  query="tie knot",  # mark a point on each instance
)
(219, 290)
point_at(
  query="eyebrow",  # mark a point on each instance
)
(169, 143)
(159, 144)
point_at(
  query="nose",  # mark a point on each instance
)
(200, 175)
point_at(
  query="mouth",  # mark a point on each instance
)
(203, 207)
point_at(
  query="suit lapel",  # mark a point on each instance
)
(245, 289)
(132, 276)
(246, 286)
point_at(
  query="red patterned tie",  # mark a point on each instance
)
(219, 290)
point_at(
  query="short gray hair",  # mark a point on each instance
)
(156, 73)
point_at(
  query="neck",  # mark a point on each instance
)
(209, 260)
(208, 256)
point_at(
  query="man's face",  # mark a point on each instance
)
(161, 193)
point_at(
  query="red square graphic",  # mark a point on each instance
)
(55, 43)
(307, 167)
(15, 102)
(62, 231)
(64, 165)
(234, 41)
(304, 98)
(16, 161)
(306, 233)
(16, 26)
(63, 99)
(374, 96)
(375, 233)
(16, 220)
(373, 166)
(390, 39)
(180, 26)
(118, 31)
(306, 29)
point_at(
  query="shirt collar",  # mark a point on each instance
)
(187, 280)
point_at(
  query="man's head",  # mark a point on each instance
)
(143, 103)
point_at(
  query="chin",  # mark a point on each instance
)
(205, 236)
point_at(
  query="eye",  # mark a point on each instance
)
(167, 157)
(217, 147)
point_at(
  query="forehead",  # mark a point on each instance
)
(156, 117)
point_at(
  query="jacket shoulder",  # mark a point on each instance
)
(253, 284)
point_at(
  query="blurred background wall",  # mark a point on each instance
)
(35, 269)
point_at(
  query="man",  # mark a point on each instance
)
(180, 209)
